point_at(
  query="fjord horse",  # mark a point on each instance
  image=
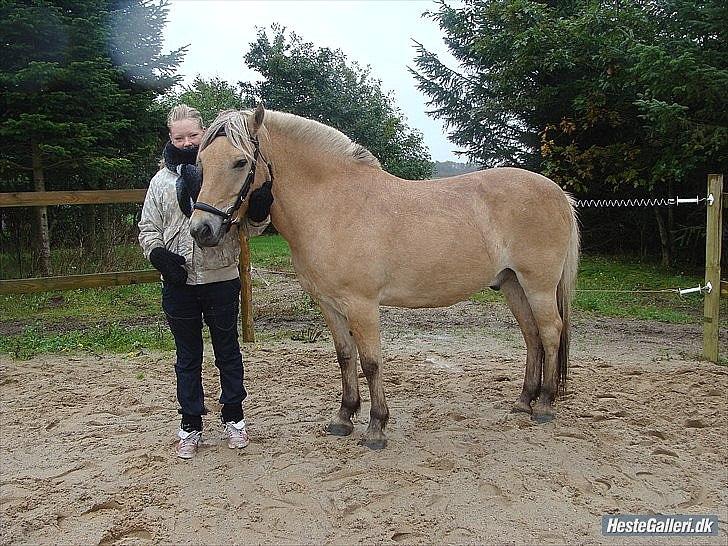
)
(361, 237)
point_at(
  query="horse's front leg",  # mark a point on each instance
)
(341, 424)
(364, 324)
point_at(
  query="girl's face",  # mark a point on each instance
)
(185, 133)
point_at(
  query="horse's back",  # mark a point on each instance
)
(502, 205)
(507, 185)
(471, 228)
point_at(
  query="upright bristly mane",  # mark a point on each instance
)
(312, 132)
(321, 136)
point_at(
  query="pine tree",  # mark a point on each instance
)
(603, 97)
(78, 81)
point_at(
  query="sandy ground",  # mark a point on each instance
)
(88, 440)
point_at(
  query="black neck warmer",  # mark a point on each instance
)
(174, 156)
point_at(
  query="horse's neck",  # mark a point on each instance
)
(300, 176)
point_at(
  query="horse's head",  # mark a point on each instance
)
(228, 173)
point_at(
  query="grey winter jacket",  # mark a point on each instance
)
(163, 224)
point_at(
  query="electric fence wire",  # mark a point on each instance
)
(653, 202)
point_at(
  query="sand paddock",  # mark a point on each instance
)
(87, 440)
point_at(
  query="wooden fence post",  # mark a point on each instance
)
(246, 291)
(712, 268)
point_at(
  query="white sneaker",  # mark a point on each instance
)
(236, 434)
(188, 443)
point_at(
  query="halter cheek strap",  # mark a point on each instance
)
(227, 216)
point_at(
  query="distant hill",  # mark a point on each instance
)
(453, 168)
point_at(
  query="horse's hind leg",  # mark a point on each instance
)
(346, 354)
(364, 324)
(519, 306)
(547, 317)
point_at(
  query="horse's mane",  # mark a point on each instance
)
(322, 136)
(312, 132)
(232, 122)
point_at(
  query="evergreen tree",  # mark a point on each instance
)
(78, 81)
(600, 96)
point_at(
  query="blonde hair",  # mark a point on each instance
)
(182, 111)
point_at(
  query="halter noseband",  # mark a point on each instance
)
(227, 216)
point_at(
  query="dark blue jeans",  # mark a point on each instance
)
(186, 306)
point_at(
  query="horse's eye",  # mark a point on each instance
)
(240, 163)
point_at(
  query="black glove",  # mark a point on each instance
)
(169, 265)
(192, 177)
(260, 202)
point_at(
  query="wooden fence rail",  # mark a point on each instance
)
(118, 278)
(97, 197)
(71, 282)
(91, 197)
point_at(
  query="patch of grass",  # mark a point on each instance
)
(270, 252)
(120, 303)
(113, 303)
(121, 319)
(488, 296)
(114, 319)
(108, 338)
(310, 335)
(610, 287)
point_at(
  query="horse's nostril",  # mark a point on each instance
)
(201, 231)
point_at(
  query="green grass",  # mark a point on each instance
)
(599, 273)
(118, 303)
(121, 303)
(270, 252)
(128, 318)
(102, 338)
(117, 319)
(611, 287)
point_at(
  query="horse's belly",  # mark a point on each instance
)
(435, 291)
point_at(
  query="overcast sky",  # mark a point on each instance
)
(378, 33)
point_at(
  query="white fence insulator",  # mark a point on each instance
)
(707, 289)
(694, 200)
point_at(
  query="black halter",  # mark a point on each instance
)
(227, 216)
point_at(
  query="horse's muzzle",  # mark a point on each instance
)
(204, 232)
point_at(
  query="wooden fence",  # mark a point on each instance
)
(118, 278)
(40, 284)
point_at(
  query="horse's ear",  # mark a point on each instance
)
(258, 116)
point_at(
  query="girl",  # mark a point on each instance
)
(198, 283)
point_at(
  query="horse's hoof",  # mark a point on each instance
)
(340, 429)
(543, 415)
(373, 443)
(521, 407)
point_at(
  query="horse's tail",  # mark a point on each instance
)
(564, 293)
